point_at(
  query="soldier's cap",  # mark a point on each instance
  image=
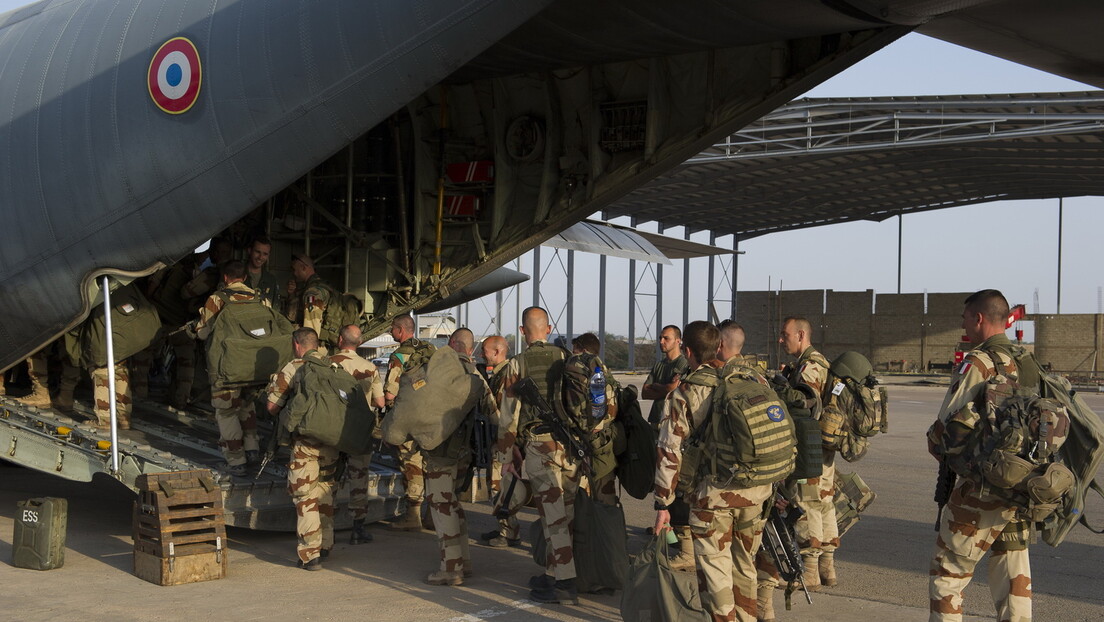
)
(304, 259)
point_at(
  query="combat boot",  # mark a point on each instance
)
(811, 574)
(765, 604)
(827, 567)
(562, 592)
(39, 397)
(63, 403)
(685, 558)
(445, 577)
(411, 520)
(360, 535)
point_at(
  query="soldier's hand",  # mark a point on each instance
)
(509, 469)
(662, 523)
(291, 287)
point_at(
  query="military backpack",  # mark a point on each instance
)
(248, 343)
(636, 463)
(1014, 449)
(605, 436)
(855, 406)
(341, 310)
(134, 326)
(329, 405)
(751, 437)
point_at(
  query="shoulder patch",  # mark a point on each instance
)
(775, 413)
(965, 367)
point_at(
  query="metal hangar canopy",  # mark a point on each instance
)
(822, 161)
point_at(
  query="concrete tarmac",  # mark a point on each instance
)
(882, 564)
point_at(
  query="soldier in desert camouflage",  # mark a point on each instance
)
(554, 477)
(977, 520)
(817, 532)
(444, 465)
(313, 465)
(234, 411)
(726, 523)
(359, 467)
(411, 353)
(495, 350)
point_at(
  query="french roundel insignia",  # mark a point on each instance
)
(775, 413)
(175, 75)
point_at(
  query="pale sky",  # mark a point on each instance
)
(939, 248)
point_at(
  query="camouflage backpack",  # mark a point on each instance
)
(1015, 448)
(329, 406)
(341, 310)
(603, 435)
(248, 343)
(134, 326)
(855, 406)
(748, 438)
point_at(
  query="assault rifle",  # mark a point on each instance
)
(943, 487)
(780, 542)
(527, 390)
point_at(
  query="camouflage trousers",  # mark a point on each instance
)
(974, 522)
(448, 517)
(725, 543)
(183, 365)
(817, 531)
(357, 470)
(555, 481)
(101, 393)
(412, 461)
(236, 416)
(310, 484)
(508, 527)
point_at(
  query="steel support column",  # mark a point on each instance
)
(602, 306)
(570, 295)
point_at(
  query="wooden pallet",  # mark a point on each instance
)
(178, 529)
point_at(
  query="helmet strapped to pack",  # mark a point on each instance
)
(855, 406)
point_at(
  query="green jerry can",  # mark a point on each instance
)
(39, 542)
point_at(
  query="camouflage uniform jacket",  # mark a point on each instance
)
(280, 385)
(496, 380)
(812, 369)
(684, 410)
(216, 301)
(964, 405)
(364, 371)
(400, 361)
(313, 302)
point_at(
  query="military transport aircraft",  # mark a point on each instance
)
(412, 147)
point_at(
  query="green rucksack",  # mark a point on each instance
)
(1083, 451)
(248, 343)
(856, 407)
(599, 545)
(606, 443)
(341, 310)
(750, 440)
(329, 405)
(134, 326)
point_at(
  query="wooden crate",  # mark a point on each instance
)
(179, 530)
(179, 569)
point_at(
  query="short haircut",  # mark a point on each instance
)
(678, 331)
(801, 324)
(261, 239)
(350, 334)
(534, 318)
(703, 339)
(991, 304)
(405, 321)
(497, 342)
(588, 342)
(732, 334)
(233, 270)
(306, 337)
(304, 259)
(464, 338)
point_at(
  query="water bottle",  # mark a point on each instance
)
(598, 394)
